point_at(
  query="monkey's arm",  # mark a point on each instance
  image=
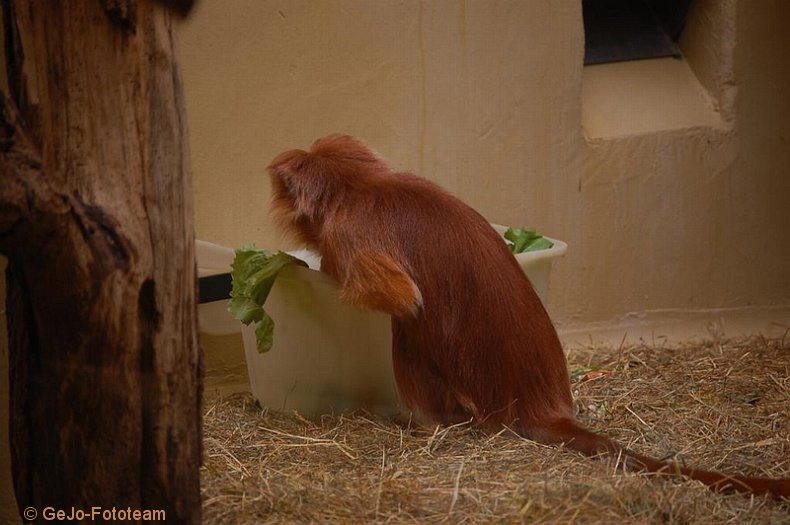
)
(375, 281)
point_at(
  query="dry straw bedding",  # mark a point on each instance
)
(720, 405)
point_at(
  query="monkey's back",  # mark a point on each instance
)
(482, 344)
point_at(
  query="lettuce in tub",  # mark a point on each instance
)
(253, 272)
(521, 240)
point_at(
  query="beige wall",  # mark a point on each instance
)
(667, 179)
(687, 224)
(450, 89)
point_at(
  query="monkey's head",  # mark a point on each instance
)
(308, 187)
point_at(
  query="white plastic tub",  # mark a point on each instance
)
(537, 265)
(327, 356)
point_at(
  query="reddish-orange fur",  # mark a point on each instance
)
(471, 339)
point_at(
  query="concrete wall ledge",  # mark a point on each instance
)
(644, 96)
(674, 326)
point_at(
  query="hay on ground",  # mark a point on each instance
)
(718, 405)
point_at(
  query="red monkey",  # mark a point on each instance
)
(471, 339)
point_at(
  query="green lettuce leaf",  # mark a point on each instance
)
(253, 272)
(521, 240)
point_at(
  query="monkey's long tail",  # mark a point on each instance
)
(578, 438)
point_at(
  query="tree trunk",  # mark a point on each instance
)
(96, 220)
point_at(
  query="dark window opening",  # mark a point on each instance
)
(617, 30)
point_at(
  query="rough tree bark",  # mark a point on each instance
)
(96, 221)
